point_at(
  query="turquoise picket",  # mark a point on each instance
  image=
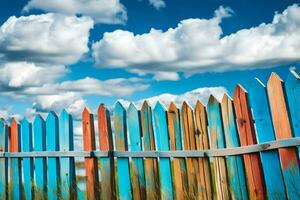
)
(134, 132)
(120, 127)
(217, 140)
(162, 141)
(15, 163)
(27, 142)
(265, 133)
(3, 161)
(52, 145)
(235, 164)
(67, 165)
(39, 133)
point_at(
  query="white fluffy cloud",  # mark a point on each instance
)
(157, 4)
(102, 11)
(191, 97)
(46, 38)
(197, 46)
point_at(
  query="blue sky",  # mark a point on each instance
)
(56, 54)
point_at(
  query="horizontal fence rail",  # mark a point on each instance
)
(267, 146)
(245, 147)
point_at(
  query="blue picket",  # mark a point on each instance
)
(124, 184)
(67, 165)
(52, 145)
(15, 163)
(39, 133)
(26, 132)
(265, 133)
(217, 140)
(137, 165)
(162, 141)
(235, 164)
(3, 161)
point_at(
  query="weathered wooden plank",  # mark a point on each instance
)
(282, 128)
(67, 165)
(202, 143)
(52, 142)
(253, 169)
(91, 165)
(27, 142)
(121, 144)
(151, 164)
(189, 140)
(3, 161)
(235, 165)
(15, 173)
(179, 173)
(137, 165)
(107, 169)
(39, 133)
(265, 133)
(162, 141)
(217, 141)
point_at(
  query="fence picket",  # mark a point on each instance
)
(179, 166)
(217, 141)
(26, 132)
(107, 184)
(235, 165)
(162, 141)
(202, 143)
(15, 163)
(265, 133)
(121, 144)
(52, 164)
(68, 186)
(89, 144)
(288, 156)
(3, 161)
(39, 133)
(190, 144)
(255, 180)
(137, 165)
(151, 164)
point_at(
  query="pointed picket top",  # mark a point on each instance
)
(159, 107)
(274, 78)
(38, 119)
(173, 108)
(239, 91)
(86, 112)
(293, 77)
(186, 106)
(199, 105)
(14, 122)
(132, 107)
(64, 113)
(119, 107)
(101, 108)
(145, 105)
(212, 100)
(2, 122)
(24, 121)
(51, 116)
(226, 97)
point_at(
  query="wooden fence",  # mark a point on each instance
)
(240, 148)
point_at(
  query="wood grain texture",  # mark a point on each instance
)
(151, 164)
(52, 164)
(3, 161)
(265, 133)
(121, 144)
(162, 141)
(137, 164)
(202, 143)
(107, 167)
(39, 135)
(283, 129)
(217, 141)
(67, 165)
(255, 180)
(15, 163)
(179, 174)
(91, 166)
(235, 165)
(189, 140)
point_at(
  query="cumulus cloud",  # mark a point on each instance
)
(157, 4)
(47, 38)
(191, 97)
(102, 11)
(198, 45)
